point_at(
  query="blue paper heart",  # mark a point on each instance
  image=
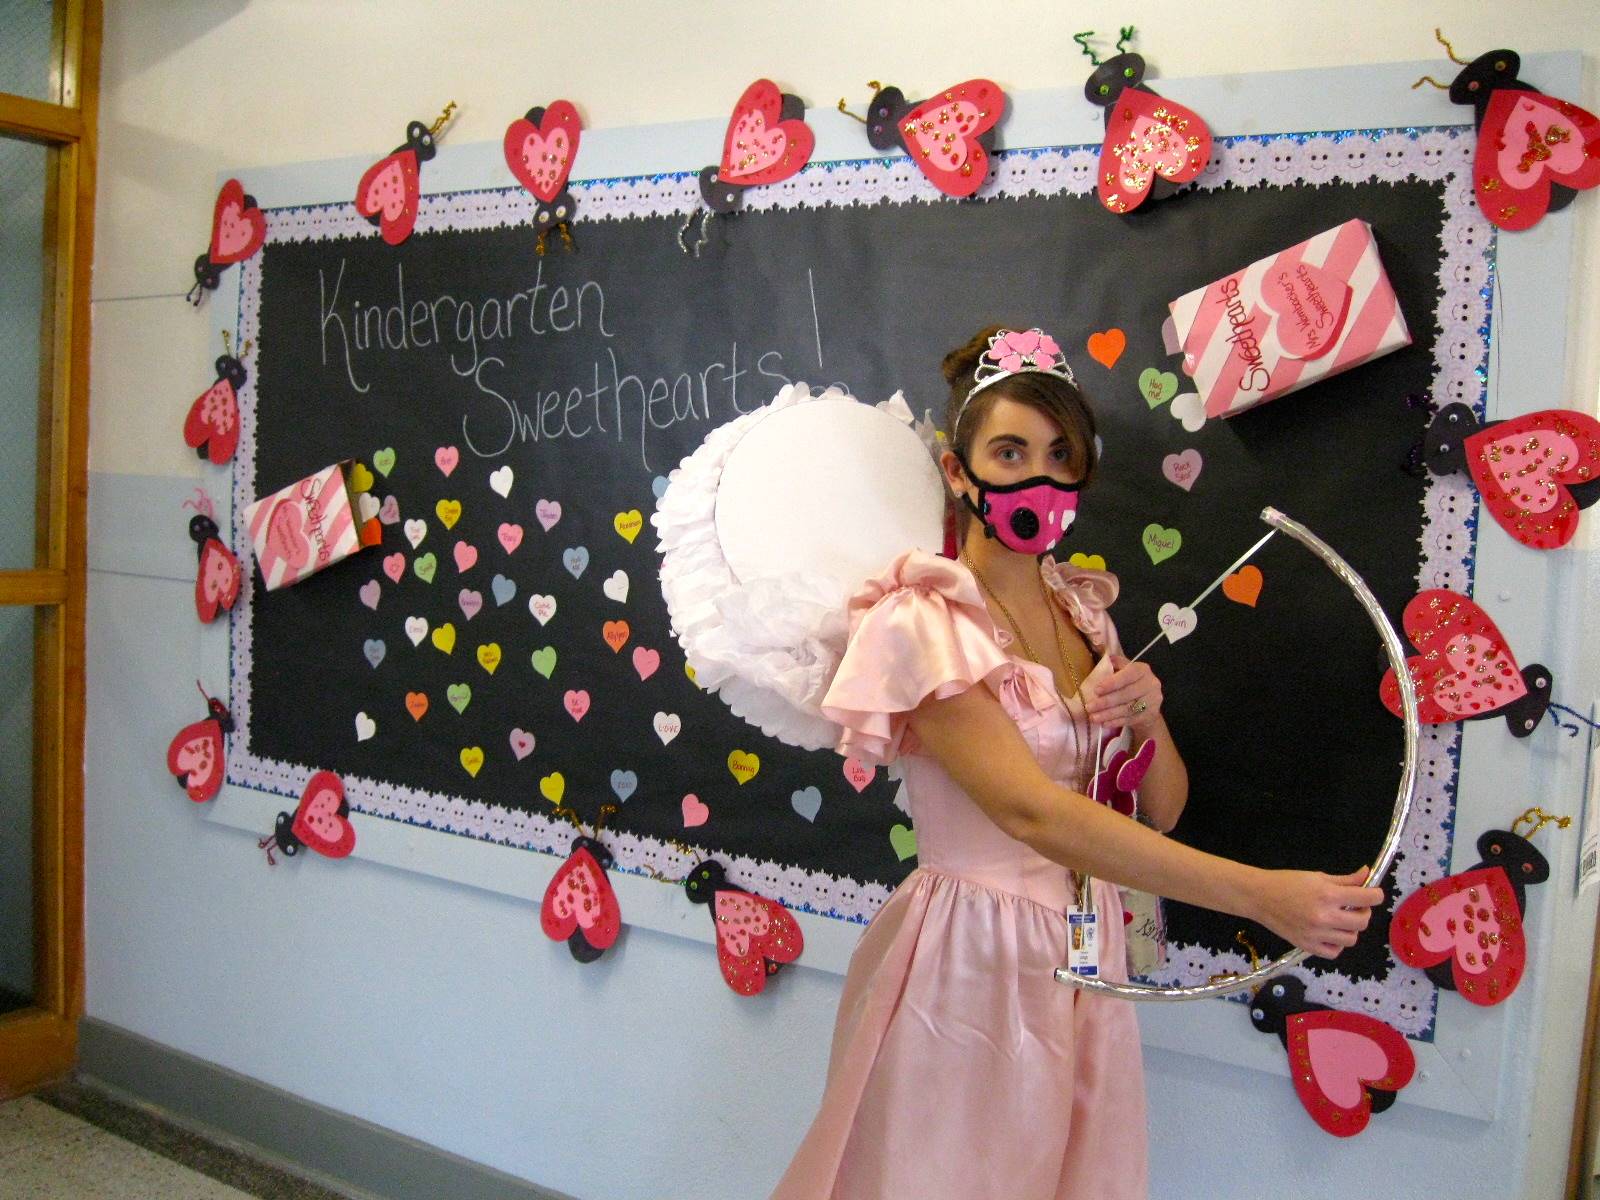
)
(624, 783)
(374, 649)
(503, 589)
(658, 485)
(576, 560)
(807, 802)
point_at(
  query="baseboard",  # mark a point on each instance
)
(333, 1148)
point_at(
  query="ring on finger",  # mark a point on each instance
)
(1137, 707)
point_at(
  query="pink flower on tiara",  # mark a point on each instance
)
(1020, 350)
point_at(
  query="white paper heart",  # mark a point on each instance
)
(1176, 623)
(416, 530)
(416, 629)
(367, 505)
(667, 726)
(542, 607)
(500, 481)
(616, 587)
(1189, 409)
(365, 727)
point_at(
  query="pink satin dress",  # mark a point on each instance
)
(960, 1069)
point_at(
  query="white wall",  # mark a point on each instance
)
(439, 1010)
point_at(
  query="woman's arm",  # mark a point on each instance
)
(980, 747)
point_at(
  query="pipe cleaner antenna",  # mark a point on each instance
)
(1083, 44)
(1538, 818)
(442, 119)
(1448, 48)
(1125, 34)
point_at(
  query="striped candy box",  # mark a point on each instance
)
(1284, 322)
(306, 526)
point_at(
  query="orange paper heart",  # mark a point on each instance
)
(616, 634)
(417, 704)
(1105, 348)
(1243, 586)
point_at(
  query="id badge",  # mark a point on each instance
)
(1083, 943)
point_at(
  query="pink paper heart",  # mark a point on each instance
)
(1310, 304)
(521, 743)
(646, 662)
(510, 537)
(446, 458)
(694, 811)
(390, 512)
(466, 556)
(394, 566)
(858, 774)
(548, 512)
(285, 539)
(370, 591)
(470, 602)
(1182, 469)
(576, 704)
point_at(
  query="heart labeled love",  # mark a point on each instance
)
(448, 512)
(1093, 562)
(694, 811)
(459, 695)
(489, 656)
(628, 524)
(446, 458)
(394, 566)
(544, 660)
(616, 587)
(858, 774)
(1182, 469)
(807, 802)
(542, 607)
(744, 766)
(1160, 543)
(509, 536)
(521, 743)
(576, 702)
(1309, 305)
(576, 560)
(416, 629)
(361, 481)
(548, 512)
(466, 556)
(415, 531)
(1244, 585)
(383, 460)
(616, 634)
(370, 591)
(1157, 386)
(553, 786)
(667, 726)
(471, 602)
(389, 513)
(1176, 622)
(472, 760)
(417, 705)
(425, 566)
(365, 727)
(646, 662)
(374, 649)
(903, 840)
(624, 784)
(500, 481)
(444, 637)
(540, 155)
(1106, 347)
(504, 590)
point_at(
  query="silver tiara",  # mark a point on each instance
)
(1016, 353)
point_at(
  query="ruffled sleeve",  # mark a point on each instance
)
(1085, 594)
(918, 630)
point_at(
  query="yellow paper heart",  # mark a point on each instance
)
(489, 656)
(629, 523)
(689, 671)
(744, 766)
(472, 760)
(1094, 562)
(552, 787)
(360, 478)
(444, 637)
(449, 512)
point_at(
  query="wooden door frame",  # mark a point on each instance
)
(40, 1043)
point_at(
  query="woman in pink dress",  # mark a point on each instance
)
(960, 1068)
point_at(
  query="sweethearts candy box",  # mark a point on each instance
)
(1286, 321)
(307, 526)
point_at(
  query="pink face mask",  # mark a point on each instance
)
(1029, 517)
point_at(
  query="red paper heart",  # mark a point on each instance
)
(1335, 1057)
(389, 192)
(1524, 466)
(1471, 919)
(216, 583)
(1464, 670)
(541, 155)
(759, 146)
(213, 422)
(237, 229)
(941, 134)
(1526, 142)
(1148, 136)
(320, 820)
(1309, 305)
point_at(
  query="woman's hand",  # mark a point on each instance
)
(1127, 695)
(1321, 914)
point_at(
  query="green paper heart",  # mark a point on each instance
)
(1157, 387)
(904, 841)
(1160, 543)
(544, 661)
(459, 695)
(383, 460)
(425, 565)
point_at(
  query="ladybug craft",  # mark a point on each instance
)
(1345, 1066)
(196, 755)
(1535, 152)
(950, 136)
(322, 822)
(755, 936)
(1465, 671)
(216, 582)
(1123, 772)
(238, 229)
(580, 907)
(1153, 146)
(540, 148)
(389, 193)
(1536, 472)
(1465, 930)
(212, 426)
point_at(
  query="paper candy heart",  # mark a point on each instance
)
(903, 840)
(394, 566)
(1176, 621)
(576, 560)
(694, 812)
(553, 786)
(415, 531)
(472, 760)
(576, 703)
(425, 566)
(1244, 585)
(444, 637)
(416, 629)
(1157, 386)
(1190, 410)
(1160, 544)
(1182, 469)
(616, 634)
(500, 481)
(667, 726)
(858, 774)
(389, 513)
(470, 602)
(544, 662)
(504, 590)
(744, 766)
(1105, 348)
(542, 607)
(383, 460)
(548, 512)
(521, 743)
(624, 784)
(448, 512)
(616, 587)
(646, 662)
(374, 649)
(417, 704)
(466, 556)
(489, 656)
(509, 537)
(1094, 562)
(628, 524)
(370, 591)
(365, 727)
(807, 802)
(459, 695)
(446, 458)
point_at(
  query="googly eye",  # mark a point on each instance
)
(1127, 72)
